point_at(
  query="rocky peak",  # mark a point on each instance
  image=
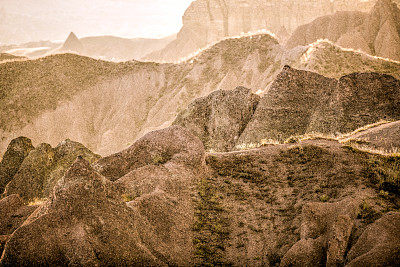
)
(78, 183)
(220, 118)
(16, 152)
(72, 44)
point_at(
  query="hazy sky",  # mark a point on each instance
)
(125, 18)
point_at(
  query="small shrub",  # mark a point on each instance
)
(159, 159)
(292, 140)
(127, 197)
(324, 198)
(367, 213)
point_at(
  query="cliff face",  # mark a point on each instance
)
(376, 33)
(207, 21)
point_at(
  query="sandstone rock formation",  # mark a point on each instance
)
(298, 102)
(301, 102)
(143, 218)
(331, 27)
(157, 173)
(93, 226)
(379, 244)
(376, 33)
(174, 144)
(206, 22)
(16, 152)
(324, 234)
(13, 215)
(43, 167)
(169, 203)
(220, 118)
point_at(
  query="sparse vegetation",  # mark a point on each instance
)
(324, 198)
(367, 214)
(158, 159)
(211, 226)
(384, 172)
(37, 201)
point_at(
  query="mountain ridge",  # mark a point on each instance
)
(102, 114)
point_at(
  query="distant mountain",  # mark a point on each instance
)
(376, 33)
(122, 49)
(206, 22)
(107, 105)
(72, 44)
(110, 48)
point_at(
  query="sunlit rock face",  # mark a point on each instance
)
(207, 21)
(376, 32)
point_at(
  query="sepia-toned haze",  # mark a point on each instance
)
(35, 20)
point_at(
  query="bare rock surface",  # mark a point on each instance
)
(385, 137)
(144, 218)
(324, 234)
(329, 27)
(289, 106)
(174, 144)
(93, 226)
(72, 44)
(16, 152)
(301, 102)
(29, 180)
(13, 214)
(220, 118)
(376, 33)
(208, 21)
(43, 167)
(306, 252)
(379, 244)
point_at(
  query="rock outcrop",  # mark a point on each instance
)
(376, 33)
(330, 27)
(29, 181)
(324, 234)
(220, 118)
(171, 145)
(379, 245)
(171, 204)
(84, 223)
(143, 218)
(208, 21)
(301, 102)
(13, 215)
(16, 152)
(43, 167)
(385, 137)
